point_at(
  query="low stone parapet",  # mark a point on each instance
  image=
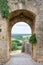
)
(27, 48)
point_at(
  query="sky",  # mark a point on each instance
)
(21, 28)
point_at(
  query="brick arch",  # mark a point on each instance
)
(20, 15)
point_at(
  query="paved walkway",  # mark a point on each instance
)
(21, 59)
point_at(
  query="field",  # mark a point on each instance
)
(17, 40)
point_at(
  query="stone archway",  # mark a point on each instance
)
(17, 16)
(22, 13)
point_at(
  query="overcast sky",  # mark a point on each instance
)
(21, 28)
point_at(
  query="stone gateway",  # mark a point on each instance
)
(31, 13)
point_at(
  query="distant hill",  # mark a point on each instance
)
(17, 35)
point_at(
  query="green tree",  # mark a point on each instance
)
(14, 46)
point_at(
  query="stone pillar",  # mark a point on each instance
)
(23, 47)
(28, 48)
(39, 34)
(4, 45)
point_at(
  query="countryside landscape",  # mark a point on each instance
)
(18, 39)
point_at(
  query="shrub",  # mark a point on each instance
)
(33, 39)
(17, 42)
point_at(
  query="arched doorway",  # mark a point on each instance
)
(20, 15)
(20, 33)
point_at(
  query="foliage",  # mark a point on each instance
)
(14, 46)
(33, 39)
(17, 42)
(4, 8)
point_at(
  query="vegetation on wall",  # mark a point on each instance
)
(33, 39)
(23, 1)
(4, 9)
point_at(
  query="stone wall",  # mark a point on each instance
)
(27, 48)
(3, 40)
(35, 6)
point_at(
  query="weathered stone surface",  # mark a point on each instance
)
(30, 8)
(26, 48)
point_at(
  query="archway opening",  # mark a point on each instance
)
(20, 33)
(20, 15)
